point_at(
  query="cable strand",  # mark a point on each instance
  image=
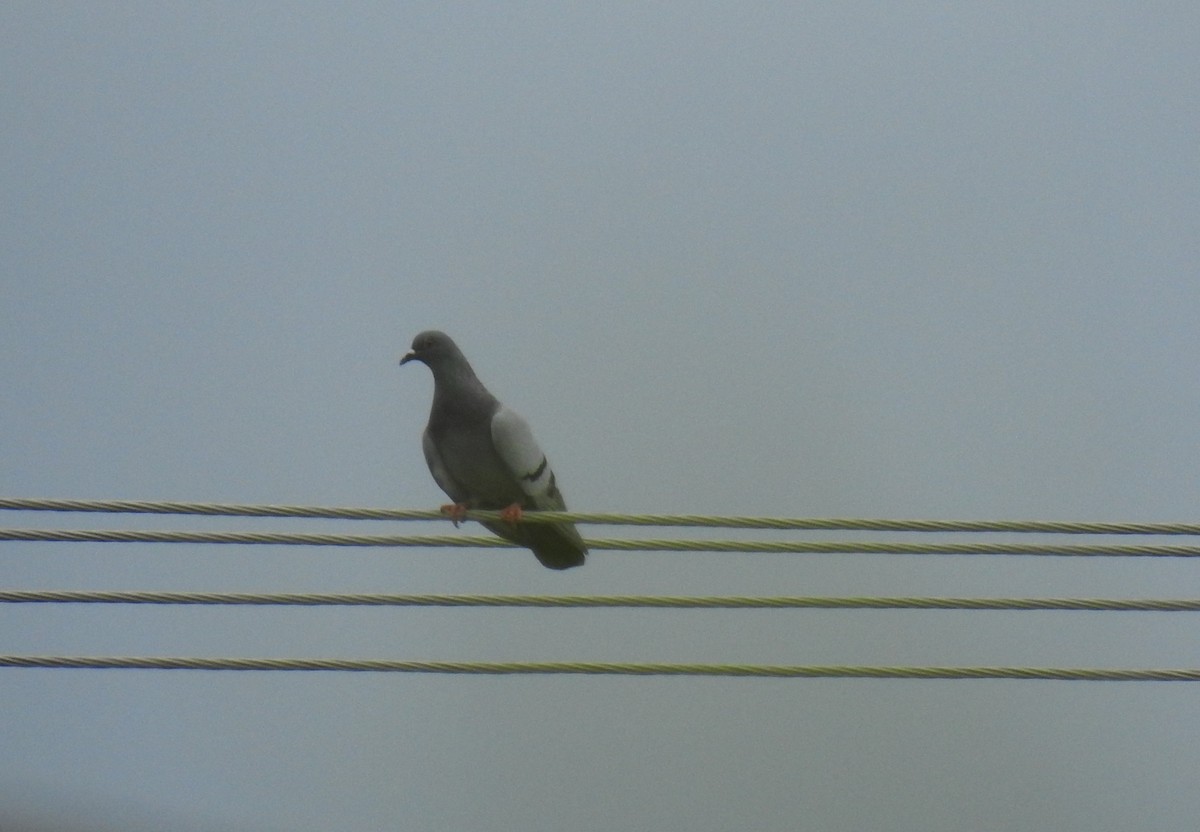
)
(712, 521)
(601, 668)
(15, 596)
(601, 544)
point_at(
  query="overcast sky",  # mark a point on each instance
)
(848, 259)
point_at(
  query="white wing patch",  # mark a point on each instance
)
(517, 449)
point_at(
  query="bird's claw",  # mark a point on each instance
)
(457, 512)
(512, 514)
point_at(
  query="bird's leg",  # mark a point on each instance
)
(512, 514)
(457, 512)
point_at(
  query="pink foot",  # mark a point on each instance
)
(512, 514)
(457, 512)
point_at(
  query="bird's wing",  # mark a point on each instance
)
(517, 449)
(557, 545)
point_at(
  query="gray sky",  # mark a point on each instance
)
(907, 260)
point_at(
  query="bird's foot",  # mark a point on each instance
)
(457, 512)
(512, 514)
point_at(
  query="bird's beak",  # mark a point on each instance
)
(408, 356)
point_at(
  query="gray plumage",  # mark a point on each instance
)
(484, 456)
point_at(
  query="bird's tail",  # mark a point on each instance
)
(557, 546)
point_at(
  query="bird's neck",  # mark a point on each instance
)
(457, 389)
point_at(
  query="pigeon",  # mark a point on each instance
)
(484, 456)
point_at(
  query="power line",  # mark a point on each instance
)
(603, 668)
(601, 544)
(12, 596)
(699, 520)
(974, 547)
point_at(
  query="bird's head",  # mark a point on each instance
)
(432, 348)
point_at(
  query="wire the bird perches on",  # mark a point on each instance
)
(776, 546)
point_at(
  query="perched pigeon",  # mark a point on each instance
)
(483, 456)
